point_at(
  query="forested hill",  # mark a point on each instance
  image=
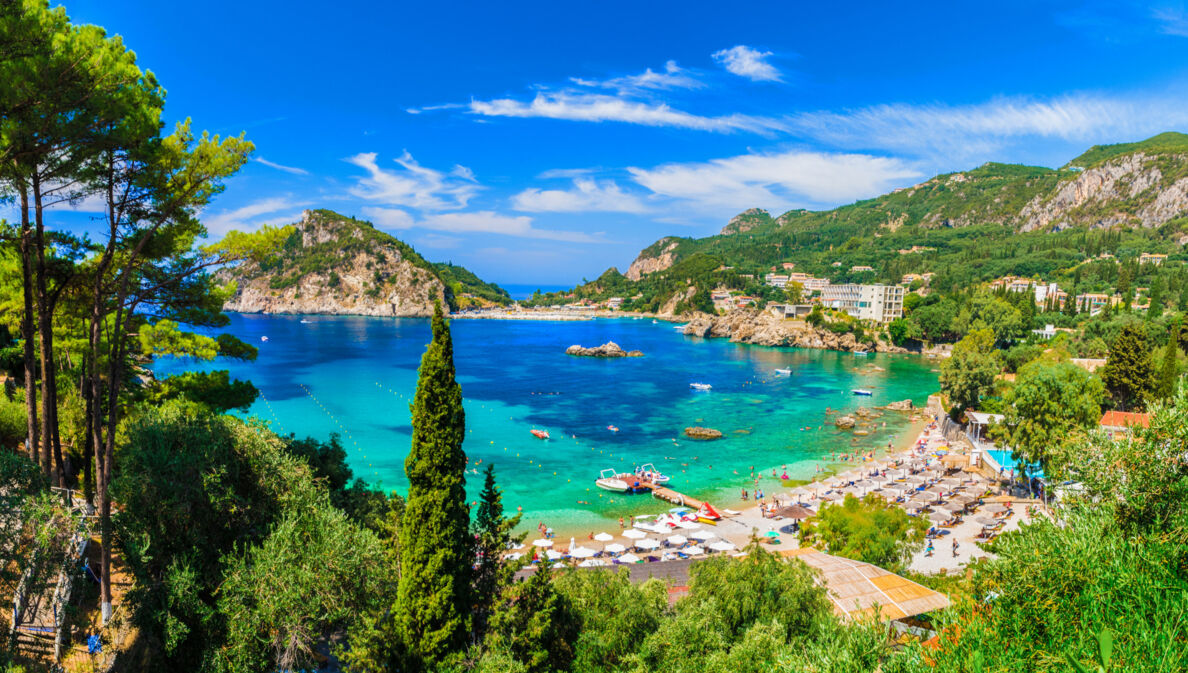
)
(333, 264)
(969, 226)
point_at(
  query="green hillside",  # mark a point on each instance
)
(1169, 142)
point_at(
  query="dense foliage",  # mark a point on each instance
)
(865, 529)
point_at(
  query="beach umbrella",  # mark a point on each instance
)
(793, 512)
(582, 552)
(996, 508)
(614, 548)
(604, 537)
(722, 545)
(647, 543)
(954, 507)
(629, 558)
(592, 563)
(950, 482)
(677, 539)
(703, 535)
(988, 522)
(695, 550)
(831, 496)
(771, 533)
(634, 534)
(940, 517)
(799, 492)
(831, 481)
(543, 542)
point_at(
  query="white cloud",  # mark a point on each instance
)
(959, 132)
(747, 62)
(415, 186)
(589, 107)
(287, 169)
(673, 77)
(476, 222)
(776, 181)
(278, 210)
(587, 195)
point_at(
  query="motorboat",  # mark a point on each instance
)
(649, 472)
(862, 391)
(680, 327)
(540, 434)
(785, 372)
(608, 480)
(264, 338)
(861, 354)
(304, 322)
(612, 428)
(700, 386)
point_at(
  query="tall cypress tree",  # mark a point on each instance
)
(1156, 299)
(1167, 373)
(492, 534)
(436, 550)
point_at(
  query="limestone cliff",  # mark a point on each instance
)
(658, 257)
(331, 264)
(761, 328)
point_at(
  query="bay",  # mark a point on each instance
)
(356, 376)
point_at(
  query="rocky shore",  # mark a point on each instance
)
(760, 328)
(609, 349)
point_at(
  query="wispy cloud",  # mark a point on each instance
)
(589, 107)
(274, 210)
(673, 77)
(287, 169)
(776, 181)
(959, 132)
(587, 195)
(414, 185)
(1172, 20)
(476, 222)
(746, 62)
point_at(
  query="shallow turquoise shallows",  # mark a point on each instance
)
(357, 376)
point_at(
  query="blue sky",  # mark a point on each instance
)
(544, 142)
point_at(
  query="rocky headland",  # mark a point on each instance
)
(609, 349)
(761, 328)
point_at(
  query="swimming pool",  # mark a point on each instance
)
(1008, 462)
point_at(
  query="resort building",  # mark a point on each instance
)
(1047, 332)
(877, 303)
(861, 269)
(1117, 423)
(614, 303)
(915, 249)
(1092, 302)
(1013, 284)
(780, 281)
(788, 266)
(792, 311)
(1148, 258)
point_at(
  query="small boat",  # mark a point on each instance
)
(785, 372)
(700, 386)
(862, 391)
(649, 472)
(304, 322)
(263, 338)
(540, 434)
(612, 428)
(680, 327)
(609, 481)
(654, 322)
(861, 354)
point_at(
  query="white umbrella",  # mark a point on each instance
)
(629, 558)
(554, 555)
(614, 548)
(604, 537)
(647, 543)
(694, 550)
(703, 535)
(677, 539)
(634, 534)
(722, 545)
(517, 546)
(542, 543)
(592, 563)
(799, 492)
(516, 556)
(582, 552)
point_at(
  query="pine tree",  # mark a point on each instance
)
(1129, 373)
(433, 596)
(1183, 305)
(493, 535)
(1070, 303)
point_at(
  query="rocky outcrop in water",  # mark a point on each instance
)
(845, 422)
(902, 405)
(698, 432)
(760, 328)
(609, 349)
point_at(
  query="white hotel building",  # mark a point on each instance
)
(877, 303)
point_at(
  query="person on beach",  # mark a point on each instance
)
(955, 545)
(621, 526)
(744, 494)
(928, 551)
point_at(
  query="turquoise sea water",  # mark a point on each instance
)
(356, 376)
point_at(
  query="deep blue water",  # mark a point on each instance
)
(356, 376)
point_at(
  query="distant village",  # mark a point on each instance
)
(880, 303)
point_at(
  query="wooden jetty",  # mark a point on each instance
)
(639, 484)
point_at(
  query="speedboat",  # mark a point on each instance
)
(608, 480)
(700, 386)
(648, 471)
(540, 434)
(612, 428)
(860, 354)
(862, 391)
(680, 327)
(785, 372)
(263, 338)
(304, 322)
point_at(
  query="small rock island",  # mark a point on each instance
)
(609, 349)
